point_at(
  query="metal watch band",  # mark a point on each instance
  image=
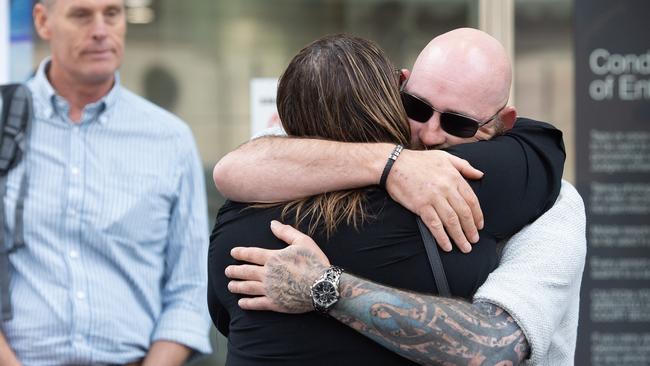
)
(333, 276)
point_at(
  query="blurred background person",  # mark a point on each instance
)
(115, 215)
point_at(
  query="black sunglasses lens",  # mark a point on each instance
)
(458, 126)
(416, 109)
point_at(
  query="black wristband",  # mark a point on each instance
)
(389, 164)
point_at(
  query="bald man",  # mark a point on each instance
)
(526, 310)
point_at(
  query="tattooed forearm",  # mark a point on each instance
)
(431, 330)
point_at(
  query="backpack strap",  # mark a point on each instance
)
(14, 131)
(5, 300)
(434, 260)
(21, 114)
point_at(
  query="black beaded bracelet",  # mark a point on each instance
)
(389, 164)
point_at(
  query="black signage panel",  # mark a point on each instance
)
(612, 58)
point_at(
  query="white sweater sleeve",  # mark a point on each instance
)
(538, 278)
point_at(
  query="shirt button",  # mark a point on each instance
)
(102, 119)
(81, 295)
(73, 212)
(73, 254)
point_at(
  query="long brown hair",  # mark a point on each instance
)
(341, 88)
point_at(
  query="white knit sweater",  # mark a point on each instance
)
(538, 280)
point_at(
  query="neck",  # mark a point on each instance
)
(78, 94)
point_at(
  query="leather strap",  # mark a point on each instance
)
(389, 164)
(22, 140)
(5, 300)
(434, 260)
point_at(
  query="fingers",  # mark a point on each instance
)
(468, 195)
(288, 234)
(452, 225)
(252, 288)
(257, 303)
(431, 219)
(246, 272)
(465, 168)
(474, 205)
(297, 239)
(463, 216)
(251, 255)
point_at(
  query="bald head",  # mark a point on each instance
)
(467, 72)
(466, 62)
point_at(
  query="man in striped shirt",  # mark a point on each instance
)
(113, 270)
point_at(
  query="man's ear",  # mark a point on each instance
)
(508, 117)
(41, 25)
(404, 74)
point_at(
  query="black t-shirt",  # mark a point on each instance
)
(522, 170)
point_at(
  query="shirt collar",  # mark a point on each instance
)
(44, 92)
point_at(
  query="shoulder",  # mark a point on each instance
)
(245, 215)
(568, 209)
(155, 128)
(535, 133)
(570, 197)
(558, 236)
(150, 115)
(137, 104)
(523, 122)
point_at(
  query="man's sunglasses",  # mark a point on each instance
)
(453, 123)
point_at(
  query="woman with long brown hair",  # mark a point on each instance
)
(345, 89)
(341, 88)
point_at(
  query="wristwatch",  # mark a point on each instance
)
(325, 290)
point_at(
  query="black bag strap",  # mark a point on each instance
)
(14, 147)
(434, 260)
(5, 300)
(16, 113)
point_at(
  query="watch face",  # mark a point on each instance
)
(325, 293)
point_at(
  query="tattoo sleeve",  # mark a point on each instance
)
(430, 330)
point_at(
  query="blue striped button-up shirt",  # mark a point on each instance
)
(115, 231)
